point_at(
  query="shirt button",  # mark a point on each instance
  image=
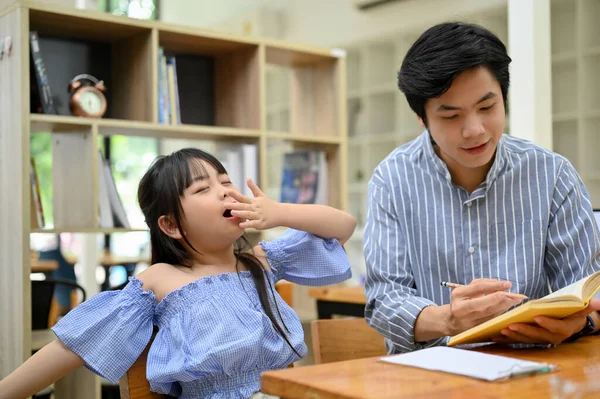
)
(469, 204)
(471, 250)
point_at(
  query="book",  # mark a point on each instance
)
(559, 304)
(249, 167)
(105, 215)
(36, 198)
(172, 91)
(118, 210)
(197, 91)
(43, 88)
(473, 364)
(303, 177)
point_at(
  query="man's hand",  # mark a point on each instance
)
(548, 330)
(478, 302)
(259, 212)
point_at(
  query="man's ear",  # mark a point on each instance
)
(421, 122)
(169, 227)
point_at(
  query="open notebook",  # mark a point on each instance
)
(559, 304)
(469, 363)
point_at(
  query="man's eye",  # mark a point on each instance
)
(488, 108)
(450, 117)
(227, 182)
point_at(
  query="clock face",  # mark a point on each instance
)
(91, 102)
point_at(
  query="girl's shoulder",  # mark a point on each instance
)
(156, 278)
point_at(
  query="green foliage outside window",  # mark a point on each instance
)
(140, 9)
(41, 152)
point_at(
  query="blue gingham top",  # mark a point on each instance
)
(214, 338)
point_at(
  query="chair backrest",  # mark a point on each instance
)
(335, 340)
(42, 292)
(134, 384)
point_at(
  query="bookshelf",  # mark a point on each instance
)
(575, 47)
(124, 53)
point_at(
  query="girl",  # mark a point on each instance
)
(220, 322)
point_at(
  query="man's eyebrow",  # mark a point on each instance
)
(486, 97)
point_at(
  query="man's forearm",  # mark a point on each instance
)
(432, 323)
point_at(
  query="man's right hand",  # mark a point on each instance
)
(480, 301)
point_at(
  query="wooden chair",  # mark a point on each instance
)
(336, 340)
(134, 385)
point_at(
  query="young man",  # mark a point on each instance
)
(464, 203)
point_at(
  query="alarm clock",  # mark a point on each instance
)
(87, 96)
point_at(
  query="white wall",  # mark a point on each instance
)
(339, 22)
(324, 22)
(212, 14)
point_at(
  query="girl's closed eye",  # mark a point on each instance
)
(201, 189)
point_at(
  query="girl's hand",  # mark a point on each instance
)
(259, 212)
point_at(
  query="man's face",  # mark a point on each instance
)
(467, 121)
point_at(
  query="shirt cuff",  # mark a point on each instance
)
(402, 326)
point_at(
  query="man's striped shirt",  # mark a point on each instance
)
(530, 222)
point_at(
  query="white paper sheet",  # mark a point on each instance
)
(469, 363)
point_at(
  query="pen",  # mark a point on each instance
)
(508, 294)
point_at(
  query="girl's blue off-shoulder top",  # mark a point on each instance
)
(213, 338)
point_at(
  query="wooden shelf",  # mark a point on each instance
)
(108, 231)
(88, 230)
(568, 56)
(564, 116)
(591, 51)
(286, 54)
(224, 106)
(304, 138)
(108, 127)
(85, 25)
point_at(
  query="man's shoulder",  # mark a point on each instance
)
(403, 157)
(522, 149)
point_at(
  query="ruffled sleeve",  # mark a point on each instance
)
(303, 258)
(110, 330)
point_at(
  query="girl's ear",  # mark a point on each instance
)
(169, 227)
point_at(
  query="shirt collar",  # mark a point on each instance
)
(431, 156)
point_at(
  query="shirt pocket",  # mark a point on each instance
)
(517, 251)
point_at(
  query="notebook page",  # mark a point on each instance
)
(468, 363)
(574, 289)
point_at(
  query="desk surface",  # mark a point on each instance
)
(339, 294)
(370, 378)
(40, 266)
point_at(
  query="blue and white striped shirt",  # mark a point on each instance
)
(530, 222)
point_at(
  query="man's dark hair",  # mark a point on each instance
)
(444, 51)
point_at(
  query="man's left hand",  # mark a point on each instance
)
(548, 330)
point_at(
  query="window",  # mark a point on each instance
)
(140, 9)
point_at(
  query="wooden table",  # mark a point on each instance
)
(370, 378)
(43, 266)
(107, 260)
(347, 301)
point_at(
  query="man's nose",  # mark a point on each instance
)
(472, 127)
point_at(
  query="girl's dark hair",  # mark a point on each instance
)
(444, 51)
(160, 192)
